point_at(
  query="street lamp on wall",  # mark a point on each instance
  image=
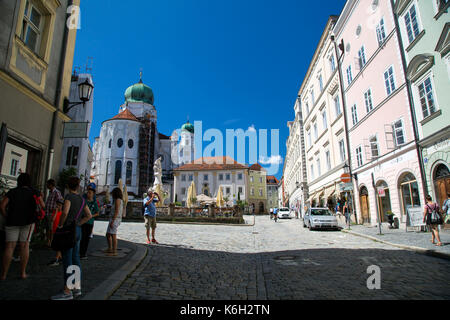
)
(84, 91)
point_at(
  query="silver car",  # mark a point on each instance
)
(316, 218)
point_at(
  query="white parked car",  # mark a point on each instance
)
(284, 213)
(320, 218)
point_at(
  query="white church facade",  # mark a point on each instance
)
(130, 143)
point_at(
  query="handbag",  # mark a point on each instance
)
(436, 217)
(65, 238)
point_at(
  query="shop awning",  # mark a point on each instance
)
(330, 191)
(311, 197)
(319, 195)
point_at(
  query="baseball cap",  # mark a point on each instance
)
(92, 186)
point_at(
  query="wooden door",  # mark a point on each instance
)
(365, 209)
(442, 187)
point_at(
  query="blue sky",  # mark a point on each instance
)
(231, 64)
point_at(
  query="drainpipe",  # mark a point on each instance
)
(62, 59)
(344, 106)
(411, 104)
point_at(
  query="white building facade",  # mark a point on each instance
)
(130, 143)
(210, 174)
(77, 152)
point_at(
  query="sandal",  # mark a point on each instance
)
(154, 241)
(439, 244)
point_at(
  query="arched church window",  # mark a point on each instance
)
(109, 143)
(129, 173)
(118, 171)
(130, 143)
(120, 143)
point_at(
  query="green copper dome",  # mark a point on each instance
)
(188, 127)
(139, 92)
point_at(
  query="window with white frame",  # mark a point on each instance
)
(313, 101)
(309, 138)
(342, 150)
(228, 190)
(368, 100)
(374, 150)
(359, 158)
(307, 108)
(381, 32)
(320, 79)
(389, 80)
(191, 177)
(362, 57)
(328, 159)
(205, 177)
(318, 167)
(240, 176)
(324, 120)
(349, 75)
(426, 96)
(228, 176)
(14, 167)
(412, 23)
(316, 133)
(354, 115)
(260, 192)
(312, 172)
(252, 191)
(399, 135)
(220, 176)
(32, 27)
(183, 177)
(332, 63)
(337, 105)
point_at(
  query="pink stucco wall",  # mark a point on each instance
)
(392, 163)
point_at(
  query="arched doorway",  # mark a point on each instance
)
(441, 179)
(364, 203)
(409, 193)
(384, 203)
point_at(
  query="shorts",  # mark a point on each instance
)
(150, 222)
(113, 229)
(19, 233)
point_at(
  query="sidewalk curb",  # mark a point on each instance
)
(107, 287)
(424, 251)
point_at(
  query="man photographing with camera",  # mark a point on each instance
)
(150, 214)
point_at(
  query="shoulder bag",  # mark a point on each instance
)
(436, 217)
(66, 237)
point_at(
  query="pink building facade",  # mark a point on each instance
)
(384, 159)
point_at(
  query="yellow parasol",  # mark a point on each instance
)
(191, 197)
(219, 200)
(125, 198)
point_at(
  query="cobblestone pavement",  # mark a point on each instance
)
(274, 261)
(410, 238)
(45, 281)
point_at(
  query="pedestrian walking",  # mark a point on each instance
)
(431, 210)
(446, 209)
(114, 222)
(50, 208)
(271, 213)
(275, 214)
(86, 229)
(18, 207)
(75, 212)
(346, 213)
(150, 214)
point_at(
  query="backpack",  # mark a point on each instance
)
(39, 212)
(435, 215)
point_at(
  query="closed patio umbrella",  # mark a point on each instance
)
(219, 200)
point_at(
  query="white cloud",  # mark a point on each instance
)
(272, 160)
(252, 128)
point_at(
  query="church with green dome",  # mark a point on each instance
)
(129, 144)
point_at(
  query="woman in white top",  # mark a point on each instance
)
(114, 222)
